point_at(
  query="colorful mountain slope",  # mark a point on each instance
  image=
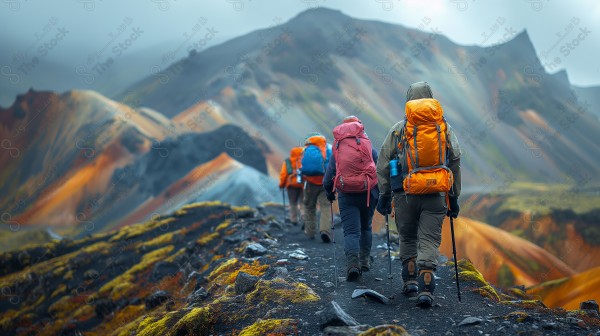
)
(305, 75)
(571, 291)
(504, 259)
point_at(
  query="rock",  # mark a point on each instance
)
(104, 308)
(91, 274)
(550, 325)
(345, 330)
(244, 282)
(163, 269)
(470, 321)
(255, 249)
(370, 293)
(577, 322)
(328, 284)
(334, 315)
(298, 256)
(275, 272)
(282, 262)
(198, 295)
(589, 305)
(269, 242)
(156, 299)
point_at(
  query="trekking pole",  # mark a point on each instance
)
(334, 248)
(455, 259)
(284, 210)
(387, 230)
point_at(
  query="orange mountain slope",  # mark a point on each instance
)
(569, 292)
(183, 190)
(65, 150)
(503, 258)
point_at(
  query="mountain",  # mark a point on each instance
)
(568, 292)
(62, 150)
(504, 259)
(78, 159)
(515, 122)
(185, 273)
(560, 219)
(590, 98)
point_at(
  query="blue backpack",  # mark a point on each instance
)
(313, 162)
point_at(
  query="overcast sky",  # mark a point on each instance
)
(566, 33)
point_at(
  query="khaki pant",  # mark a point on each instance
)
(295, 197)
(419, 219)
(313, 195)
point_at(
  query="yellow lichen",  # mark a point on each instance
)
(385, 330)
(85, 310)
(160, 240)
(196, 322)
(227, 266)
(520, 316)
(223, 225)
(525, 303)
(121, 290)
(270, 326)
(488, 292)
(136, 230)
(280, 291)
(474, 277)
(61, 308)
(158, 327)
(147, 260)
(253, 269)
(207, 238)
(201, 205)
(60, 290)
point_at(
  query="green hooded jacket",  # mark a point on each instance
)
(389, 148)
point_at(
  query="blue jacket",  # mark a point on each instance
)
(330, 175)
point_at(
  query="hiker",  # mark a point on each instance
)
(423, 184)
(352, 173)
(314, 161)
(290, 178)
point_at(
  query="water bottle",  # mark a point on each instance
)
(394, 168)
(298, 176)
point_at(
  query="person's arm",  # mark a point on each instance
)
(454, 163)
(329, 175)
(283, 175)
(387, 152)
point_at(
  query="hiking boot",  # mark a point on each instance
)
(353, 271)
(426, 288)
(365, 261)
(325, 237)
(409, 276)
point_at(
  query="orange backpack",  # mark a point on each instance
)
(293, 164)
(425, 144)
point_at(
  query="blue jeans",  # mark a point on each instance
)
(356, 221)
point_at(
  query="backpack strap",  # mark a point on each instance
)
(288, 166)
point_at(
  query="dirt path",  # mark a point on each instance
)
(442, 319)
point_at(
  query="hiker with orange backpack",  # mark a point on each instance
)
(314, 162)
(290, 178)
(352, 173)
(419, 163)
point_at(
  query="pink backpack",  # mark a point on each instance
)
(355, 169)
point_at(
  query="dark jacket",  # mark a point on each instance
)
(330, 175)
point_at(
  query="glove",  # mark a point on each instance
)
(454, 208)
(331, 197)
(384, 204)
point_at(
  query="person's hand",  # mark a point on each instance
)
(331, 197)
(384, 204)
(454, 208)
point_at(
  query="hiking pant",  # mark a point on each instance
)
(295, 197)
(313, 195)
(419, 219)
(356, 221)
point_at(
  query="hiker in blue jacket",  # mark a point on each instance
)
(356, 209)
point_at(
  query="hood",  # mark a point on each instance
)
(296, 153)
(418, 90)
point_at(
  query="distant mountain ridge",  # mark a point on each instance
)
(514, 121)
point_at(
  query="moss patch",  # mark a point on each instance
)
(271, 327)
(385, 330)
(281, 291)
